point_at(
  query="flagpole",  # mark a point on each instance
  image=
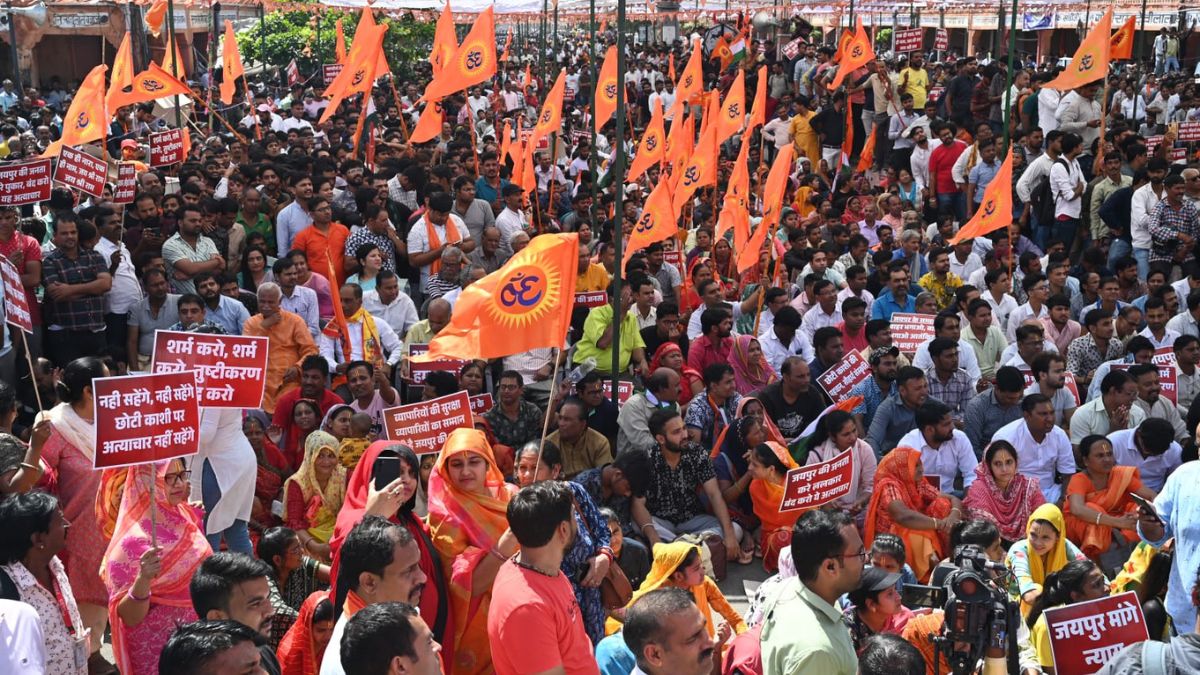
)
(173, 45)
(592, 122)
(618, 169)
(549, 406)
(212, 56)
(1012, 48)
(1141, 49)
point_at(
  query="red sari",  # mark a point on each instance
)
(268, 485)
(896, 479)
(297, 653)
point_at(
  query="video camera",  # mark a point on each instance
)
(980, 619)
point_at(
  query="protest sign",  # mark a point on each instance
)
(231, 369)
(1072, 386)
(673, 258)
(293, 73)
(909, 40)
(25, 182)
(146, 418)
(624, 391)
(481, 404)
(424, 426)
(909, 331)
(418, 371)
(1168, 373)
(1189, 131)
(16, 303)
(126, 183)
(330, 71)
(792, 49)
(81, 171)
(166, 148)
(845, 375)
(1086, 635)
(809, 487)
(941, 40)
(591, 299)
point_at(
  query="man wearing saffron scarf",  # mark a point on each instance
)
(380, 562)
(366, 339)
(433, 232)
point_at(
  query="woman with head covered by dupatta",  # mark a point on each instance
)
(150, 561)
(396, 501)
(768, 467)
(313, 496)
(670, 355)
(751, 372)
(302, 648)
(468, 502)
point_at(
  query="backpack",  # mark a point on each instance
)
(1155, 657)
(1041, 199)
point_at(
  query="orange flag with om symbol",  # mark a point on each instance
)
(1090, 62)
(995, 210)
(657, 222)
(606, 90)
(522, 306)
(1121, 45)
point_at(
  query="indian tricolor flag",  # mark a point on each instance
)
(739, 47)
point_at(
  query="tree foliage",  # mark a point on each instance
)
(294, 35)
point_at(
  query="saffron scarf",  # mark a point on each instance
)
(370, 336)
(297, 653)
(452, 237)
(895, 477)
(321, 505)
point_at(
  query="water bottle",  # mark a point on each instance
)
(581, 370)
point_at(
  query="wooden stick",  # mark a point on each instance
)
(153, 510)
(550, 408)
(29, 360)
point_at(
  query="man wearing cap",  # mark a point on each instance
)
(875, 606)
(267, 119)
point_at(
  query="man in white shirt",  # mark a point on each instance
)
(785, 339)
(1156, 330)
(387, 347)
(947, 325)
(512, 219)
(1079, 113)
(1037, 289)
(1067, 185)
(1048, 100)
(1142, 204)
(945, 451)
(1043, 449)
(1150, 448)
(126, 290)
(297, 121)
(963, 261)
(825, 312)
(386, 303)
(431, 234)
(919, 159)
(1040, 167)
(297, 299)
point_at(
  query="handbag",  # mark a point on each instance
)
(615, 589)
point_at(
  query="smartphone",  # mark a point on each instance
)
(1146, 505)
(385, 470)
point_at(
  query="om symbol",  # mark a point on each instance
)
(359, 75)
(1086, 62)
(989, 208)
(856, 51)
(691, 176)
(522, 290)
(687, 82)
(610, 91)
(82, 120)
(651, 143)
(547, 114)
(734, 111)
(645, 223)
(152, 85)
(474, 59)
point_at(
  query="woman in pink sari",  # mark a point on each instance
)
(751, 372)
(156, 547)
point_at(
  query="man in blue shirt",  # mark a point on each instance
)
(895, 298)
(1180, 514)
(981, 175)
(224, 311)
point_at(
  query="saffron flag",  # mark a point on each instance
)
(856, 53)
(606, 91)
(995, 210)
(155, 15)
(339, 47)
(671, 66)
(679, 144)
(549, 121)
(231, 64)
(773, 194)
(758, 112)
(445, 42)
(522, 306)
(1121, 45)
(733, 109)
(122, 70)
(366, 19)
(151, 84)
(528, 177)
(847, 36)
(507, 44)
(847, 142)
(516, 150)
(430, 123)
(1090, 62)
(657, 222)
(473, 62)
(691, 82)
(652, 147)
(173, 58)
(87, 118)
(868, 154)
(701, 167)
(506, 141)
(735, 212)
(722, 54)
(358, 75)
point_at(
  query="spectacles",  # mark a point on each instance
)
(177, 477)
(863, 556)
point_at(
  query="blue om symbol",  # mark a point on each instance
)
(474, 59)
(517, 290)
(989, 208)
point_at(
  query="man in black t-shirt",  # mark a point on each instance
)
(959, 92)
(793, 402)
(666, 329)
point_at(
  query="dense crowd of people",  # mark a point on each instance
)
(1057, 391)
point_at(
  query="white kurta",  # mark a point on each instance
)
(225, 447)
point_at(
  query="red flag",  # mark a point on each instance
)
(231, 64)
(606, 90)
(773, 194)
(856, 53)
(473, 62)
(652, 147)
(339, 48)
(1091, 60)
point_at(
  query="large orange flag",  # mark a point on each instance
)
(867, 157)
(87, 118)
(173, 66)
(430, 123)
(652, 147)
(1090, 62)
(773, 194)
(758, 112)
(231, 64)
(549, 121)
(734, 210)
(679, 144)
(995, 210)
(856, 53)
(1121, 45)
(122, 72)
(522, 306)
(339, 47)
(606, 90)
(150, 84)
(155, 15)
(358, 76)
(722, 54)
(366, 19)
(691, 82)
(445, 42)
(473, 62)
(657, 222)
(701, 167)
(733, 109)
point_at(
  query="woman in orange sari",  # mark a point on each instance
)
(302, 648)
(468, 502)
(149, 563)
(769, 464)
(1098, 501)
(905, 505)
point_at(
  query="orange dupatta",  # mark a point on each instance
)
(1114, 500)
(896, 478)
(296, 652)
(767, 498)
(452, 237)
(465, 528)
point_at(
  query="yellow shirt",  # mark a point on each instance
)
(918, 85)
(804, 138)
(594, 279)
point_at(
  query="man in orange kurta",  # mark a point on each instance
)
(324, 243)
(289, 343)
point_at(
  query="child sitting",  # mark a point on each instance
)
(354, 445)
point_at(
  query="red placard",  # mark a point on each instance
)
(418, 371)
(1189, 131)
(1072, 386)
(1086, 635)
(808, 487)
(25, 182)
(624, 391)
(424, 426)
(166, 148)
(591, 298)
(792, 49)
(1152, 142)
(841, 378)
(146, 418)
(909, 40)
(16, 304)
(481, 404)
(935, 93)
(910, 331)
(293, 73)
(230, 369)
(81, 171)
(673, 258)
(1168, 373)
(330, 71)
(126, 183)
(941, 40)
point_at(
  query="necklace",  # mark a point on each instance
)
(533, 568)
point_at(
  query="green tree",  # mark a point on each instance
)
(294, 35)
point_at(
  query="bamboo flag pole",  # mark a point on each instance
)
(549, 407)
